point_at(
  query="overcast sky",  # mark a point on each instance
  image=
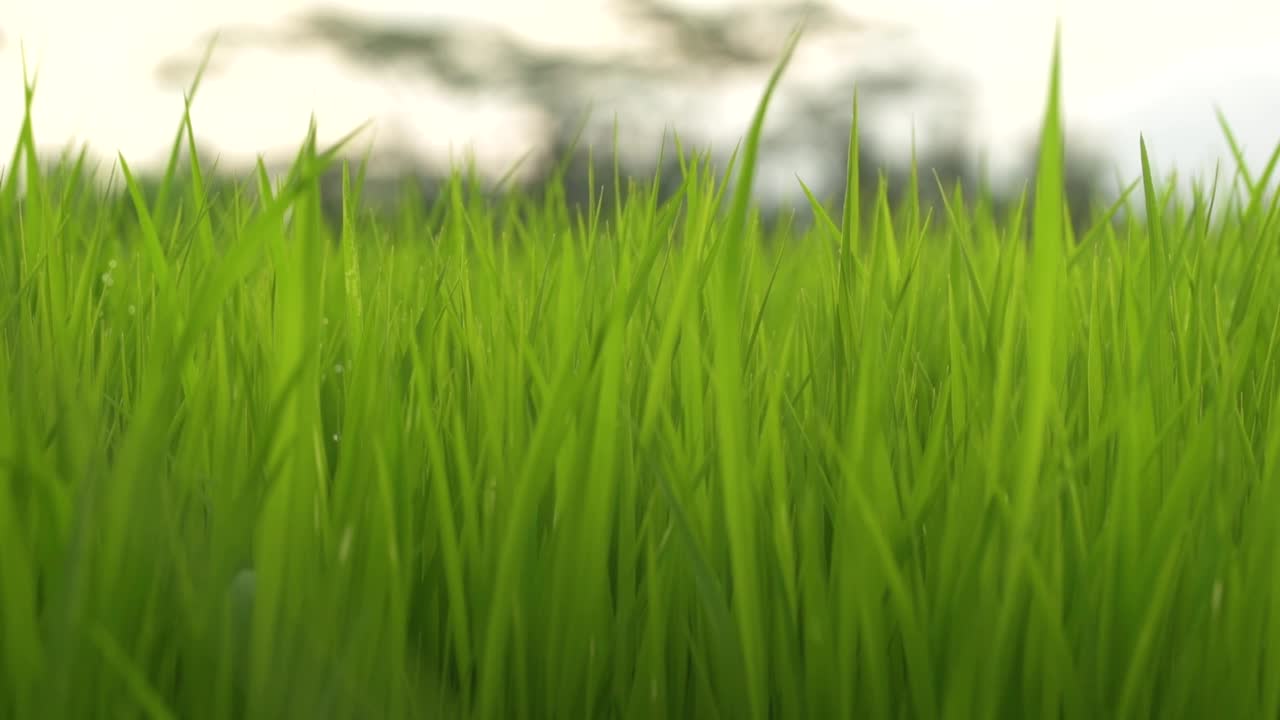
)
(1155, 66)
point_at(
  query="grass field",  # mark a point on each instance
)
(523, 462)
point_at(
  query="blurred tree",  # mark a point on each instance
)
(687, 48)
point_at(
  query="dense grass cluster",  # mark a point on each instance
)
(526, 462)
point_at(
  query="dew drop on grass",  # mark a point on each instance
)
(338, 368)
(344, 547)
(242, 588)
(241, 594)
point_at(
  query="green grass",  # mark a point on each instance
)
(527, 462)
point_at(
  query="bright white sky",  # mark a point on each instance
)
(1155, 66)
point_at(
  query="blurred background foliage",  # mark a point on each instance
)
(690, 50)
